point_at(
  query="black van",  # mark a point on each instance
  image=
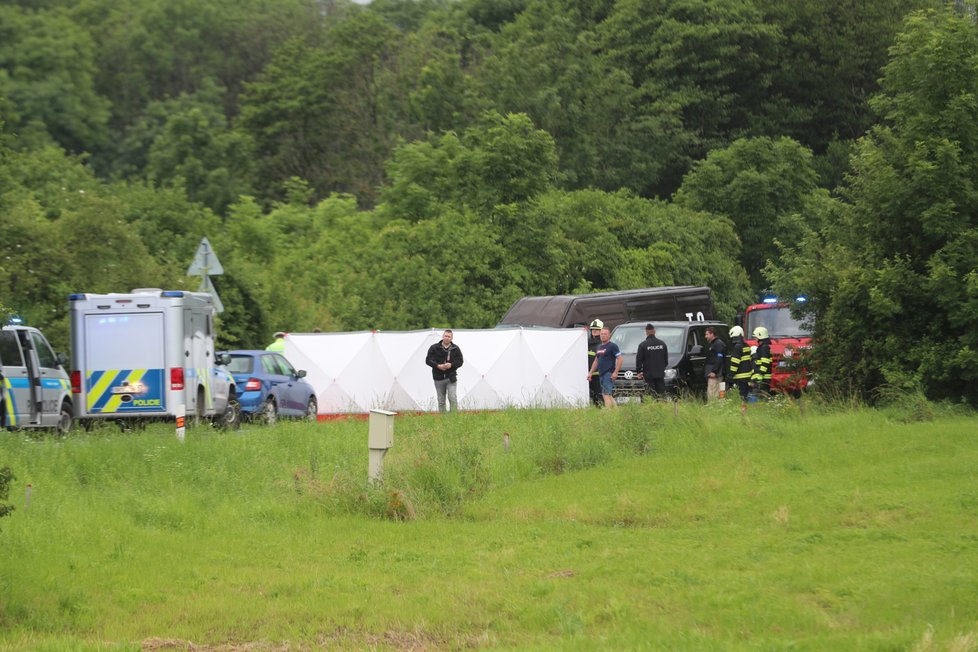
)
(682, 302)
(687, 345)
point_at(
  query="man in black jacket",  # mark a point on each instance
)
(651, 361)
(714, 364)
(445, 358)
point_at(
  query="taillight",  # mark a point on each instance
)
(176, 378)
(253, 385)
(76, 382)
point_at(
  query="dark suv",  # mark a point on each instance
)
(687, 345)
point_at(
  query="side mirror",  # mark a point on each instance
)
(695, 349)
(62, 359)
(301, 373)
(224, 358)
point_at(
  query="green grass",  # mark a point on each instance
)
(640, 528)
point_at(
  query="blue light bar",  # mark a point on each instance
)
(769, 300)
(171, 293)
(800, 299)
(15, 320)
(76, 297)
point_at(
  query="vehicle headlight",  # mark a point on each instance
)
(670, 374)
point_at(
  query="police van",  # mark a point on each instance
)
(35, 392)
(147, 355)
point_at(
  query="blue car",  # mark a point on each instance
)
(270, 387)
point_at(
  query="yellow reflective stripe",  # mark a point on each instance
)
(9, 403)
(96, 392)
(134, 376)
(208, 401)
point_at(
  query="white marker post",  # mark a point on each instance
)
(380, 439)
(181, 411)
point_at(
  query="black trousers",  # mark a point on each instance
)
(594, 388)
(655, 387)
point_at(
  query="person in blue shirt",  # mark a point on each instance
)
(607, 364)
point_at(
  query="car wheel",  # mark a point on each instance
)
(312, 409)
(269, 412)
(64, 419)
(231, 419)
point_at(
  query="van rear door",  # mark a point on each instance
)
(124, 361)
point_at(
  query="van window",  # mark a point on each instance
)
(45, 356)
(10, 354)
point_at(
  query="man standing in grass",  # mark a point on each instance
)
(445, 358)
(651, 361)
(714, 364)
(607, 363)
(741, 366)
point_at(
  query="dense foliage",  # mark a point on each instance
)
(416, 163)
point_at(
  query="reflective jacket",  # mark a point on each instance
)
(741, 365)
(762, 362)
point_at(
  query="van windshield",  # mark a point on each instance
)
(629, 337)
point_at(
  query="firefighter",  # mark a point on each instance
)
(741, 365)
(593, 342)
(761, 378)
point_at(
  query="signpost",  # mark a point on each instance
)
(206, 265)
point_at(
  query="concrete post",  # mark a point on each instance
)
(380, 438)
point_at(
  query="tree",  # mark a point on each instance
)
(704, 71)
(314, 112)
(761, 184)
(548, 64)
(894, 267)
(47, 80)
(187, 143)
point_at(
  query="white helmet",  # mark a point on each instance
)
(760, 333)
(736, 331)
(597, 323)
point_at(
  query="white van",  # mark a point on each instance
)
(36, 392)
(146, 355)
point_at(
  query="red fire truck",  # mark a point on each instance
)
(789, 340)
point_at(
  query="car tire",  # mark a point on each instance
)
(65, 419)
(231, 419)
(269, 412)
(312, 409)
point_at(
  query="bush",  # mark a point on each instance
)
(6, 477)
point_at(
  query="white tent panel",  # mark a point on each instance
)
(357, 372)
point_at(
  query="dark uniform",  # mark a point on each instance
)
(594, 385)
(651, 361)
(714, 365)
(761, 378)
(741, 366)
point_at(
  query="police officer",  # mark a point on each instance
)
(761, 378)
(651, 361)
(741, 366)
(593, 342)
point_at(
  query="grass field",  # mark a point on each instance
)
(839, 528)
